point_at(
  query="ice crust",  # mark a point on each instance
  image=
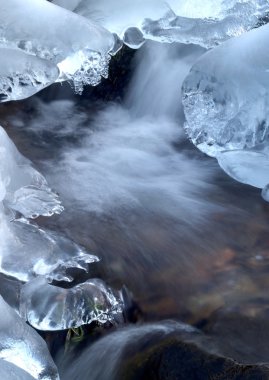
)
(78, 43)
(22, 75)
(47, 307)
(78, 46)
(207, 23)
(23, 347)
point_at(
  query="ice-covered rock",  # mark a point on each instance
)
(10, 371)
(22, 75)
(79, 46)
(207, 23)
(48, 307)
(22, 346)
(226, 96)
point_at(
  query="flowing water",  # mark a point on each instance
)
(185, 239)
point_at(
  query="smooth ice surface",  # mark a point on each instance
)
(250, 167)
(226, 95)
(24, 189)
(9, 371)
(47, 307)
(206, 23)
(40, 28)
(22, 75)
(22, 346)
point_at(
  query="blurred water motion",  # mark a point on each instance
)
(186, 239)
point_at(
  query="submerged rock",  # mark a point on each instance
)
(172, 359)
(166, 350)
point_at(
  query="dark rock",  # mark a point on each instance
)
(242, 337)
(167, 350)
(176, 360)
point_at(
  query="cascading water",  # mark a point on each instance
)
(147, 193)
(164, 219)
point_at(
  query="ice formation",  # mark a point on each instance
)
(246, 166)
(226, 104)
(12, 372)
(79, 46)
(25, 191)
(22, 346)
(226, 95)
(206, 23)
(22, 75)
(48, 307)
(47, 253)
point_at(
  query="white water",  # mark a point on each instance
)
(127, 158)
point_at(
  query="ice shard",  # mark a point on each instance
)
(22, 75)
(23, 347)
(12, 372)
(26, 190)
(79, 46)
(226, 95)
(207, 23)
(48, 307)
(28, 251)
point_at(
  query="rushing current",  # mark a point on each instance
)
(125, 198)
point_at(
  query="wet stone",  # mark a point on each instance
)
(175, 360)
(241, 337)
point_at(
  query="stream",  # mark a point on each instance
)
(189, 242)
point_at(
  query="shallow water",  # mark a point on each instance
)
(186, 239)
